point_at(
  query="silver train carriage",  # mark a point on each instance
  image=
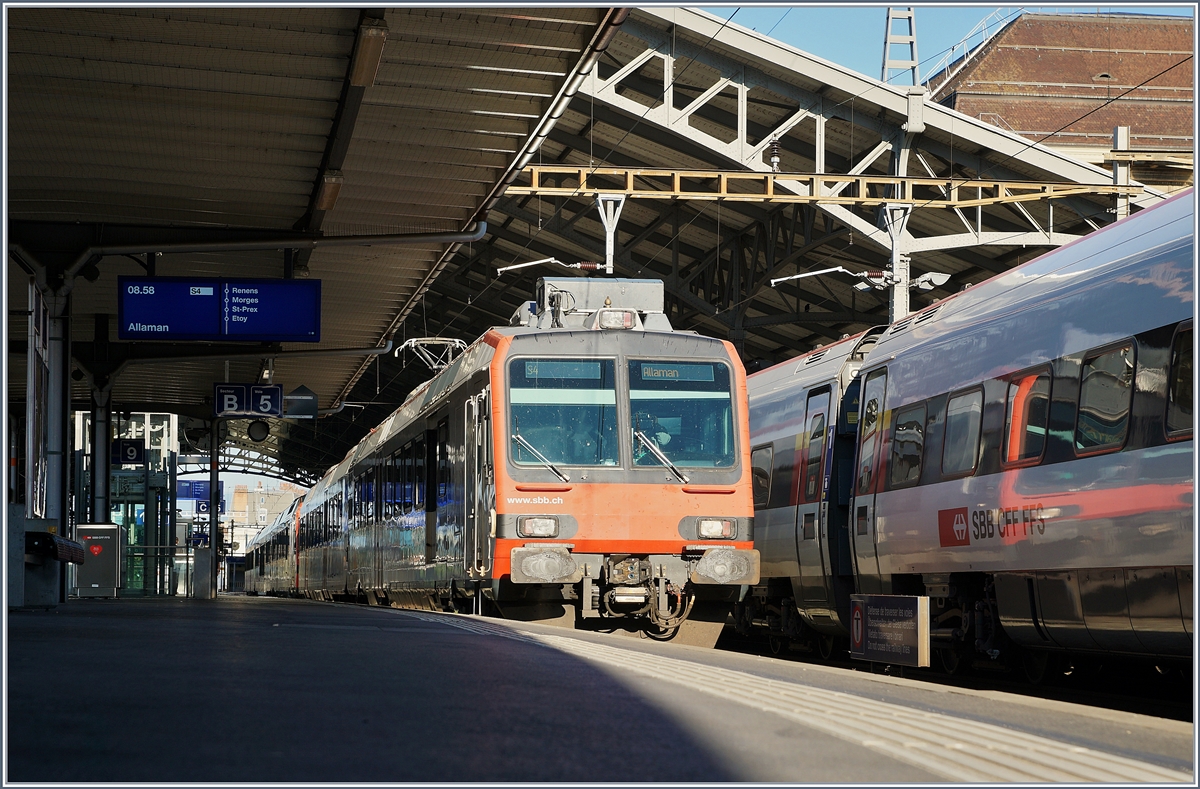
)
(587, 464)
(271, 555)
(1020, 453)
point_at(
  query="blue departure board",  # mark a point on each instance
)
(239, 310)
(269, 310)
(155, 308)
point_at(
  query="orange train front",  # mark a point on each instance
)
(587, 464)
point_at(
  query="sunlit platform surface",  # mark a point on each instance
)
(245, 689)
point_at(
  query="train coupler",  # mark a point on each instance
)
(589, 599)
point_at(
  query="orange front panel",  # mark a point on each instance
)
(624, 511)
(501, 563)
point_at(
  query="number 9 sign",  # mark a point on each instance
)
(130, 451)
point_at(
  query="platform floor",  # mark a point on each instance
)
(244, 689)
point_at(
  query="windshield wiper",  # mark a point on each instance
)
(521, 440)
(658, 453)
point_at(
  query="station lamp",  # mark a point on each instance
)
(368, 52)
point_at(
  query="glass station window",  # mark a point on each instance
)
(685, 409)
(960, 451)
(1179, 395)
(908, 444)
(1026, 417)
(1105, 390)
(563, 409)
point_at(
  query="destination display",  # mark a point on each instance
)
(239, 310)
(200, 489)
(890, 629)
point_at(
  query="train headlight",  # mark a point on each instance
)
(615, 319)
(538, 526)
(716, 528)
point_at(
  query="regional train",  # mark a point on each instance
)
(587, 465)
(1020, 454)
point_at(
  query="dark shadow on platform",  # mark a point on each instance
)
(243, 690)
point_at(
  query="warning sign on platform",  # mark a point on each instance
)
(890, 629)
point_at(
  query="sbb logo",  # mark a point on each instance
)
(952, 527)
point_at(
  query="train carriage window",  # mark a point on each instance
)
(818, 409)
(443, 463)
(760, 465)
(869, 428)
(1105, 390)
(960, 448)
(1027, 415)
(419, 474)
(685, 409)
(908, 445)
(389, 491)
(1179, 394)
(410, 478)
(564, 410)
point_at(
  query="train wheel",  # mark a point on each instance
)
(1035, 666)
(826, 646)
(953, 662)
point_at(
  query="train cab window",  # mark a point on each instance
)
(1105, 389)
(1027, 416)
(908, 445)
(564, 410)
(960, 447)
(818, 410)
(760, 465)
(685, 409)
(869, 428)
(1179, 393)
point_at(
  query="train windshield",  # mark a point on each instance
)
(564, 410)
(686, 409)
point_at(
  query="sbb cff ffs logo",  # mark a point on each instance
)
(952, 527)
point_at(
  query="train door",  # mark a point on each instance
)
(377, 525)
(478, 492)
(866, 483)
(812, 512)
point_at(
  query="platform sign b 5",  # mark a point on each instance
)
(230, 400)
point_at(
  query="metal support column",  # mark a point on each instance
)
(214, 504)
(171, 520)
(610, 213)
(58, 402)
(896, 218)
(101, 507)
(149, 521)
(1121, 169)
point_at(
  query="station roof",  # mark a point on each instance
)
(181, 127)
(219, 124)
